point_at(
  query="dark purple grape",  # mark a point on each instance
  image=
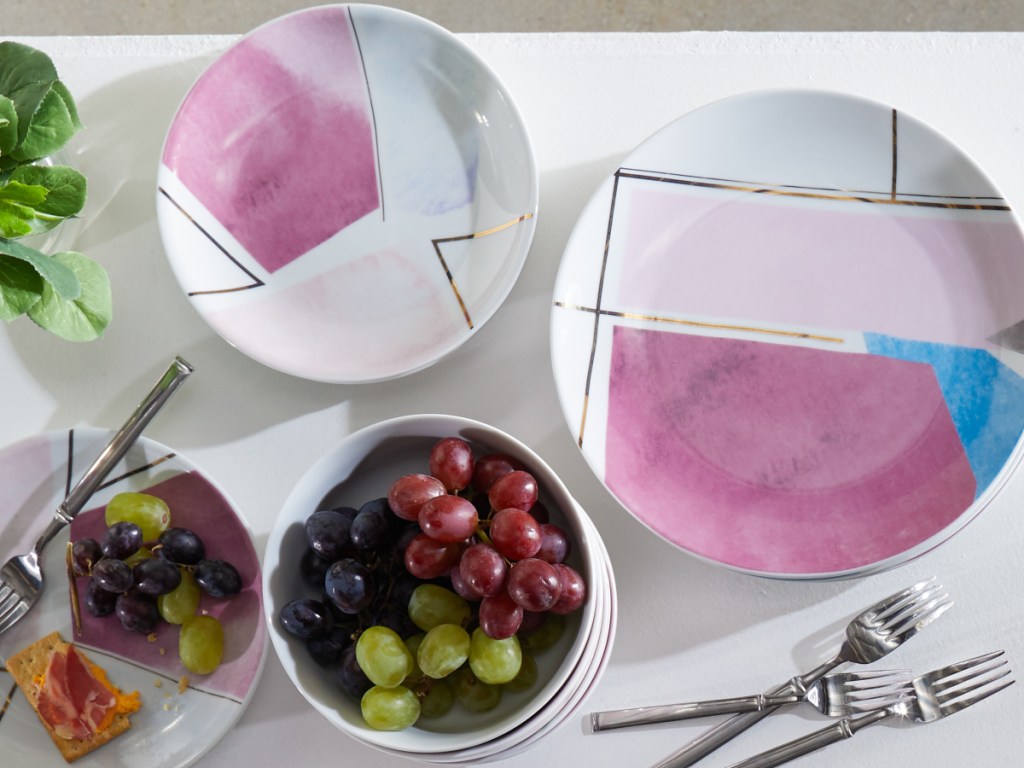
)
(326, 651)
(155, 576)
(182, 546)
(137, 611)
(84, 554)
(395, 618)
(401, 541)
(350, 585)
(112, 575)
(327, 531)
(98, 601)
(313, 568)
(350, 676)
(305, 618)
(372, 527)
(218, 578)
(402, 587)
(121, 541)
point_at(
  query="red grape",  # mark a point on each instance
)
(448, 518)
(483, 569)
(451, 462)
(490, 467)
(461, 587)
(426, 558)
(534, 584)
(500, 616)
(515, 534)
(573, 590)
(554, 544)
(410, 492)
(516, 489)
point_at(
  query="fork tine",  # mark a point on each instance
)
(9, 616)
(7, 604)
(897, 600)
(5, 590)
(956, 705)
(914, 621)
(898, 613)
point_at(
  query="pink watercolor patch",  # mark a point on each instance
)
(276, 139)
(781, 459)
(195, 504)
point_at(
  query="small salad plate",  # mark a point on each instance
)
(347, 194)
(787, 335)
(182, 715)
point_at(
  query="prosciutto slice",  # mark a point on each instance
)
(71, 699)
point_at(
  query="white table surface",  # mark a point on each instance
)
(687, 629)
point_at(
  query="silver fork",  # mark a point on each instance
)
(21, 577)
(937, 694)
(871, 635)
(836, 695)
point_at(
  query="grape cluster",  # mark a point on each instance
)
(441, 591)
(143, 570)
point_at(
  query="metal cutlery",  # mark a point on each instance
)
(21, 577)
(871, 635)
(836, 695)
(936, 695)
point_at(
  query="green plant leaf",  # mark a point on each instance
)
(60, 277)
(65, 188)
(81, 319)
(49, 128)
(8, 125)
(21, 288)
(19, 192)
(15, 219)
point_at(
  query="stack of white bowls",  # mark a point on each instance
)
(362, 467)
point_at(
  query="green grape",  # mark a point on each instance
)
(383, 657)
(142, 553)
(437, 699)
(182, 601)
(151, 514)
(546, 635)
(474, 694)
(390, 709)
(444, 649)
(526, 676)
(494, 661)
(431, 605)
(201, 644)
(413, 644)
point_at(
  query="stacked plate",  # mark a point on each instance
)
(361, 468)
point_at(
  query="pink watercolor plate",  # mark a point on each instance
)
(787, 335)
(177, 724)
(347, 194)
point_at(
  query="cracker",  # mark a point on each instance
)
(30, 664)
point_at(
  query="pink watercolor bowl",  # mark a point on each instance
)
(347, 194)
(787, 335)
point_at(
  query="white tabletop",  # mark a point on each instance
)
(686, 629)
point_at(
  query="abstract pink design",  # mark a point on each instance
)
(756, 455)
(195, 504)
(276, 139)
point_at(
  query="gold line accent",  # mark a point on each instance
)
(76, 611)
(156, 462)
(849, 197)
(702, 324)
(257, 284)
(472, 236)
(7, 701)
(892, 195)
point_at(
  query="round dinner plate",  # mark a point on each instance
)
(182, 715)
(347, 193)
(787, 335)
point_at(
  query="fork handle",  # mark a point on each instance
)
(666, 713)
(710, 740)
(841, 730)
(118, 446)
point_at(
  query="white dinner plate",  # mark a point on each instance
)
(175, 726)
(347, 194)
(787, 335)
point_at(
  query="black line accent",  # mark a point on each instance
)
(373, 114)
(130, 473)
(257, 283)
(7, 701)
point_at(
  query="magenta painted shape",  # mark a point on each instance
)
(276, 138)
(779, 458)
(195, 504)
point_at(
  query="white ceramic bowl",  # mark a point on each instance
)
(361, 468)
(347, 194)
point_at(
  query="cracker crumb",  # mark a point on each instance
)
(163, 651)
(151, 637)
(158, 683)
(182, 684)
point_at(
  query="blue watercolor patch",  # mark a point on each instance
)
(984, 397)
